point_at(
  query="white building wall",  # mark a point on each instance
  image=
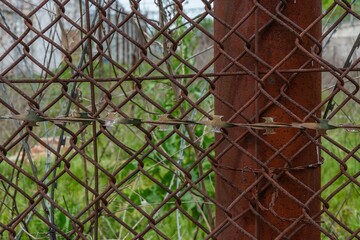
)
(67, 36)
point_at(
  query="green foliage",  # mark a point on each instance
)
(132, 184)
(337, 10)
(344, 205)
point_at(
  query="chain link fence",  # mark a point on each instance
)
(111, 127)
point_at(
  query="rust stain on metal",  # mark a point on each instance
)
(264, 205)
(95, 159)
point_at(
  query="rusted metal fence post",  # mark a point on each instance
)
(256, 183)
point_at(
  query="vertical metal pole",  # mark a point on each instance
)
(256, 202)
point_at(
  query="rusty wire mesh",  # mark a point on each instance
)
(74, 180)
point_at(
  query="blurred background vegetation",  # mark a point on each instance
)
(136, 155)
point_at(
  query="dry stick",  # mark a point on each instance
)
(12, 177)
(52, 34)
(122, 88)
(93, 108)
(77, 109)
(82, 141)
(200, 207)
(146, 36)
(335, 29)
(17, 46)
(24, 143)
(330, 106)
(166, 52)
(61, 137)
(28, 219)
(48, 160)
(108, 43)
(20, 155)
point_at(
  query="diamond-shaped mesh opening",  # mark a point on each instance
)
(111, 127)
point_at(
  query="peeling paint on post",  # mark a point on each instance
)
(254, 197)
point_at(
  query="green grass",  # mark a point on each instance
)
(345, 204)
(142, 191)
(139, 189)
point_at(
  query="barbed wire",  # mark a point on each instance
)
(113, 118)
